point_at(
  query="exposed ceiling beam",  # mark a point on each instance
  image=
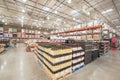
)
(99, 13)
(116, 9)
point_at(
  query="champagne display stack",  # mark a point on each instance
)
(56, 59)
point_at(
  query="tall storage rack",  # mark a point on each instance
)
(57, 63)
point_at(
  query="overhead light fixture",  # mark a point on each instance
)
(73, 18)
(46, 9)
(24, 0)
(88, 13)
(55, 12)
(23, 11)
(3, 20)
(6, 23)
(43, 21)
(58, 20)
(22, 17)
(48, 18)
(107, 11)
(74, 12)
(69, 1)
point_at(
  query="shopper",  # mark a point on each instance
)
(15, 43)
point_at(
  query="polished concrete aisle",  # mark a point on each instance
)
(16, 64)
(104, 68)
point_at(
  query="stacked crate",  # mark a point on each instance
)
(104, 47)
(95, 50)
(78, 54)
(88, 51)
(77, 58)
(57, 63)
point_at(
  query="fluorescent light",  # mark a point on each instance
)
(5, 23)
(55, 12)
(88, 13)
(23, 11)
(74, 12)
(58, 20)
(43, 21)
(73, 18)
(46, 8)
(24, 0)
(69, 1)
(107, 11)
(3, 20)
(48, 18)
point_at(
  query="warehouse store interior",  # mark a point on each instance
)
(59, 39)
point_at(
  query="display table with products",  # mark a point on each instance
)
(5, 42)
(78, 54)
(56, 59)
(1, 48)
(59, 59)
(104, 47)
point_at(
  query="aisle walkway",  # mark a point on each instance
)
(104, 68)
(16, 64)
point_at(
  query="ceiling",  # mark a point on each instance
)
(56, 14)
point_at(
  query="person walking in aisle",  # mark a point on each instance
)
(15, 42)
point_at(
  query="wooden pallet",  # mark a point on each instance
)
(60, 78)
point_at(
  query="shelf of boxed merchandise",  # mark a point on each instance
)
(81, 29)
(5, 42)
(88, 52)
(89, 32)
(78, 54)
(56, 59)
(95, 51)
(104, 47)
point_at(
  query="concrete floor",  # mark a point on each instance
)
(16, 64)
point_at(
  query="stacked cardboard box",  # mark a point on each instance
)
(95, 54)
(88, 52)
(78, 54)
(104, 46)
(57, 62)
(95, 50)
(77, 58)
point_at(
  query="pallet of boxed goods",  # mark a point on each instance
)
(77, 56)
(56, 59)
(88, 51)
(104, 47)
(95, 51)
